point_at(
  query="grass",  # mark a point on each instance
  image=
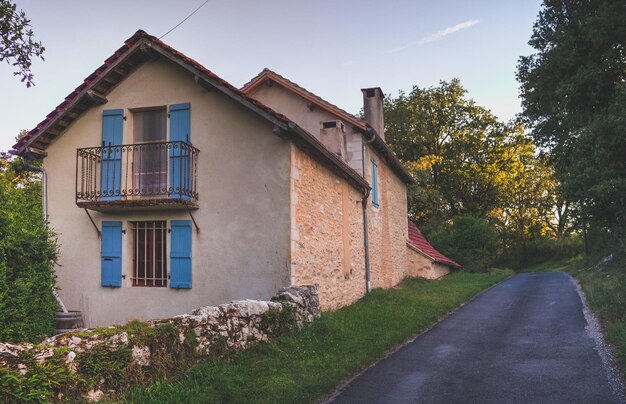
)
(606, 294)
(307, 364)
(554, 265)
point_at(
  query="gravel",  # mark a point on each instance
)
(594, 330)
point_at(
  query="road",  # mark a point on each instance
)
(522, 341)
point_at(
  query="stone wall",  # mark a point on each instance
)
(326, 233)
(424, 267)
(93, 363)
(387, 227)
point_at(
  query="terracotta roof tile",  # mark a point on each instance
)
(362, 124)
(122, 52)
(358, 123)
(140, 34)
(417, 240)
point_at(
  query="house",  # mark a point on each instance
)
(428, 262)
(171, 189)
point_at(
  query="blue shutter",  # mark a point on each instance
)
(374, 184)
(111, 173)
(111, 254)
(180, 127)
(180, 254)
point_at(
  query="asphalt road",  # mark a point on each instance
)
(523, 341)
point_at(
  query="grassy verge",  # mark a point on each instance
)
(606, 294)
(309, 363)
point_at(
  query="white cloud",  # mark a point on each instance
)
(436, 36)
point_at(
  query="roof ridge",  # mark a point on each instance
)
(321, 100)
(419, 241)
(61, 109)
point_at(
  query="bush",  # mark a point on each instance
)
(538, 250)
(469, 240)
(27, 255)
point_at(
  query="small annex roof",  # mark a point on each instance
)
(379, 144)
(419, 242)
(140, 48)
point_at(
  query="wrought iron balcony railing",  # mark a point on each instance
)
(136, 174)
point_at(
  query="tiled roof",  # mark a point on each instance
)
(258, 79)
(142, 47)
(417, 240)
(358, 123)
(100, 71)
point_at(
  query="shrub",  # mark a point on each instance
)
(469, 240)
(27, 255)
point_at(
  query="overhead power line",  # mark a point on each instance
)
(186, 18)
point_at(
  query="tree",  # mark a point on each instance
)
(27, 255)
(469, 239)
(460, 154)
(574, 99)
(17, 45)
(474, 174)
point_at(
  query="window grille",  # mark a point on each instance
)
(150, 253)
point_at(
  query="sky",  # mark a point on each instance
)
(331, 48)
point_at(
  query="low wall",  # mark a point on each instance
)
(93, 363)
(419, 265)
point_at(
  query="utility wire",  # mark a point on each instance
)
(186, 18)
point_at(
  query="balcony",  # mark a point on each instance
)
(153, 175)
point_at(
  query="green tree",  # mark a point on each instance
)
(474, 172)
(470, 240)
(462, 157)
(574, 98)
(17, 44)
(27, 255)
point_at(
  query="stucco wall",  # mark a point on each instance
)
(242, 250)
(326, 233)
(387, 223)
(296, 108)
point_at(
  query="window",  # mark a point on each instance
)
(333, 124)
(150, 154)
(150, 253)
(375, 202)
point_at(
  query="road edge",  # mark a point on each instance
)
(604, 350)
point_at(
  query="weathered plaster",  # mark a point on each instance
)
(243, 182)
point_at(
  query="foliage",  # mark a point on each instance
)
(467, 163)
(460, 154)
(469, 239)
(574, 98)
(305, 365)
(17, 45)
(41, 381)
(27, 255)
(281, 321)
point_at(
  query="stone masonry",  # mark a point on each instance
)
(213, 329)
(387, 227)
(424, 267)
(326, 233)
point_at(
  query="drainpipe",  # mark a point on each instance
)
(44, 209)
(366, 194)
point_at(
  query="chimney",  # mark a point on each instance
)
(373, 108)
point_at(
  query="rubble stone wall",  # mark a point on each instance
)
(420, 265)
(326, 233)
(93, 363)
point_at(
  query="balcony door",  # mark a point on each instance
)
(150, 153)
